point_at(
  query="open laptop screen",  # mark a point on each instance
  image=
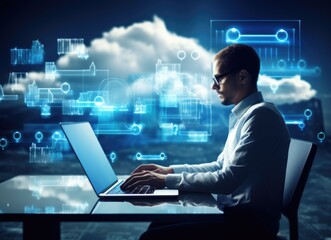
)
(90, 154)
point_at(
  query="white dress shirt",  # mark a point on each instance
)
(250, 171)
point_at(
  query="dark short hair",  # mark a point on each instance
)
(237, 56)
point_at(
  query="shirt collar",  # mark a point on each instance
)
(246, 103)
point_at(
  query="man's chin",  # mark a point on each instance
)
(225, 102)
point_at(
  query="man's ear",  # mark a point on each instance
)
(243, 76)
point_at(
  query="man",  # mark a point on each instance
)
(248, 175)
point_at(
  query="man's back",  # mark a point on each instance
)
(257, 148)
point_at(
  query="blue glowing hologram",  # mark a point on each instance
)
(17, 136)
(148, 157)
(49, 209)
(115, 92)
(167, 78)
(233, 35)
(4, 97)
(17, 77)
(32, 209)
(45, 110)
(35, 55)
(321, 136)
(139, 107)
(39, 136)
(72, 46)
(3, 143)
(51, 71)
(39, 154)
(74, 207)
(181, 55)
(119, 129)
(39, 97)
(277, 43)
(112, 156)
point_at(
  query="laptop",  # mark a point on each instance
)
(98, 169)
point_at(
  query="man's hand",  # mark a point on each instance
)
(154, 168)
(151, 178)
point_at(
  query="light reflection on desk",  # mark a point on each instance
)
(47, 194)
(187, 203)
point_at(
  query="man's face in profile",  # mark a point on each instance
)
(226, 83)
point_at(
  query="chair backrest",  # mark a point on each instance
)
(300, 159)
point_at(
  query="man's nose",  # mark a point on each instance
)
(215, 86)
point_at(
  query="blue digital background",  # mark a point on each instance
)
(187, 25)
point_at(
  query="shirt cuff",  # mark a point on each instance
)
(172, 181)
(178, 168)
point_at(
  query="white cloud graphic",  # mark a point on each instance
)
(286, 90)
(136, 49)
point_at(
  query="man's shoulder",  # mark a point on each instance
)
(265, 108)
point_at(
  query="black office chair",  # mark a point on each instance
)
(300, 159)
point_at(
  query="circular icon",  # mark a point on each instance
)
(3, 143)
(321, 136)
(65, 87)
(195, 55)
(302, 125)
(115, 92)
(17, 136)
(135, 129)
(181, 55)
(38, 136)
(308, 113)
(281, 64)
(232, 35)
(138, 156)
(112, 156)
(56, 136)
(274, 87)
(98, 100)
(301, 64)
(162, 156)
(281, 35)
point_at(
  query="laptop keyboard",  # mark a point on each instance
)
(142, 189)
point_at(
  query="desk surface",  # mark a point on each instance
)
(71, 197)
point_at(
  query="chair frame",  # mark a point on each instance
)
(295, 182)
